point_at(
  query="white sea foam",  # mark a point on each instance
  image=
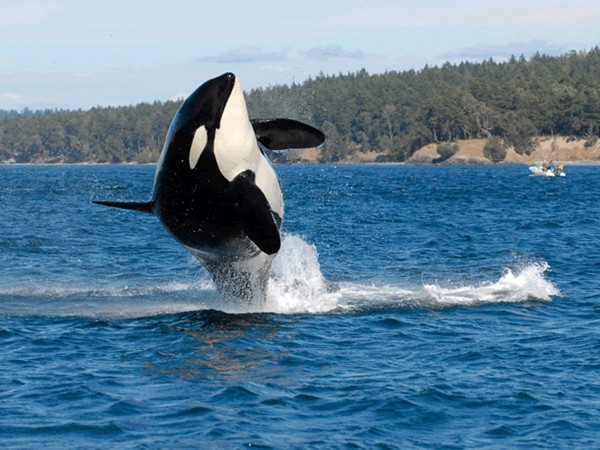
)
(527, 284)
(297, 286)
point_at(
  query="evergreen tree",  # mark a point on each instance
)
(394, 113)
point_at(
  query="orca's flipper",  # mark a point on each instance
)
(259, 223)
(147, 207)
(281, 134)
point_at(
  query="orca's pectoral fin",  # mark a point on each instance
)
(259, 223)
(281, 134)
(147, 207)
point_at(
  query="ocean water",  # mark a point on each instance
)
(409, 307)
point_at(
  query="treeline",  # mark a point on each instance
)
(394, 113)
(100, 135)
(397, 113)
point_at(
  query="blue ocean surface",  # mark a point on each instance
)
(409, 307)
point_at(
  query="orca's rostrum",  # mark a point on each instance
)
(215, 190)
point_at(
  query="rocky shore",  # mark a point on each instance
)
(470, 152)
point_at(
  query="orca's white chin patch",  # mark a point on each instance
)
(235, 144)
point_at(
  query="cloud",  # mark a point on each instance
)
(244, 55)
(28, 13)
(178, 97)
(505, 51)
(405, 15)
(328, 52)
(12, 98)
(516, 13)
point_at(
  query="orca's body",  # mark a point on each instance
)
(215, 190)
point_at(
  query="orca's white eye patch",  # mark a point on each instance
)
(198, 145)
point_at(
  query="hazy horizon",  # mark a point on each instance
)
(63, 54)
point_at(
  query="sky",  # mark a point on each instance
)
(72, 54)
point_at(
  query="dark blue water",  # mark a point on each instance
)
(410, 307)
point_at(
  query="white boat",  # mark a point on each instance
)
(547, 170)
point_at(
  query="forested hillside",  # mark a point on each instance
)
(394, 113)
(102, 135)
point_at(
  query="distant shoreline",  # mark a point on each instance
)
(304, 164)
(469, 152)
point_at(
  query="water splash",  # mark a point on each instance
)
(527, 284)
(297, 286)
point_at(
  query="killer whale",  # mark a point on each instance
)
(215, 190)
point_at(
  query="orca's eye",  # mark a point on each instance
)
(198, 145)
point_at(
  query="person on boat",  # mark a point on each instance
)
(545, 165)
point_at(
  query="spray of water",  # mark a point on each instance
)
(296, 286)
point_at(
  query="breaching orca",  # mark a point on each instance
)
(215, 190)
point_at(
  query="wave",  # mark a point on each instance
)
(297, 286)
(528, 284)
